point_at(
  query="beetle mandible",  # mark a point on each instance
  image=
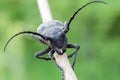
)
(53, 34)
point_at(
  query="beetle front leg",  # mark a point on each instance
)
(53, 59)
(74, 53)
(39, 54)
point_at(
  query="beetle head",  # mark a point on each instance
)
(58, 41)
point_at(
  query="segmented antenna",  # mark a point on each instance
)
(27, 32)
(73, 16)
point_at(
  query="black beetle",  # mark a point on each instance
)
(53, 34)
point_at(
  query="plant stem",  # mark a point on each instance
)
(61, 60)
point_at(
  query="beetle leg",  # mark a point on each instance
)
(74, 53)
(53, 59)
(58, 51)
(40, 53)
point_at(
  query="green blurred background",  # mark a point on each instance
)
(96, 29)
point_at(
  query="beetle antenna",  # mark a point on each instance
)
(27, 32)
(73, 16)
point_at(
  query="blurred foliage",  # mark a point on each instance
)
(96, 29)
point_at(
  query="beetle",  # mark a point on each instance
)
(53, 34)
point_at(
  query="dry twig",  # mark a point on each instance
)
(61, 60)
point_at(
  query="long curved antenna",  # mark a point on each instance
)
(27, 32)
(73, 16)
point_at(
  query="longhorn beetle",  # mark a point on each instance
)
(53, 34)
